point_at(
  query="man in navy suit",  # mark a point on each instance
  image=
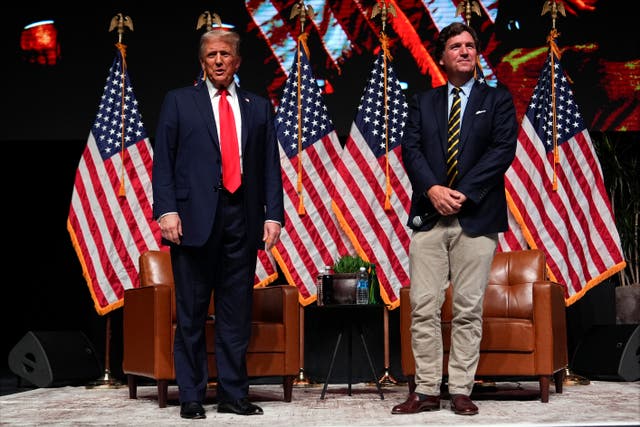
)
(458, 207)
(213, 228)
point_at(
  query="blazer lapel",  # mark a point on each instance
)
(245, 107)
(203, 103)
(473, 103)
(442, 117)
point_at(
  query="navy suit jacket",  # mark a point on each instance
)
(488, 139)
(187, 167)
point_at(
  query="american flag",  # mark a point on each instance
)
(110, 218)
(312, 238)
(373, 193)
(556, 190)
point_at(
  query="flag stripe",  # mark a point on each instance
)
(266, 272)
(512, 239)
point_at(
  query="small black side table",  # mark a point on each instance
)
(350, 317)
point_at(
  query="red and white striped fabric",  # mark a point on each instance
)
(311, 238)
(556, 191)
(266, 269)
(373, 193)
(512, 239)
(110, 218)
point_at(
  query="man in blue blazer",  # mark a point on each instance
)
(458, 207)
(215, 223)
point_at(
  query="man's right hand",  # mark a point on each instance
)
(445, 200)
(171, 227)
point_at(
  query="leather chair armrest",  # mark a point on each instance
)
(147, 328)
(406, 353)
(269, 303)
(549, 319)
(280, 304)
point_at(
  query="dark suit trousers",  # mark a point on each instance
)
(225, 265)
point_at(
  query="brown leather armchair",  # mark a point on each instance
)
(149, 323)
(524, 324)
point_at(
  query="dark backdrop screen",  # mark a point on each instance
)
(600, 54)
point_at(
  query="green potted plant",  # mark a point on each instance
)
(619, 158)
(349, 264)
(345, 278)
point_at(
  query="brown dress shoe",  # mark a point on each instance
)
(414, 404)
(462, 405)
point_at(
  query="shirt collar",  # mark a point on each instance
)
(466, 88)
(214, 92)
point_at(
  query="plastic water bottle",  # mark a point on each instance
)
(362, 288)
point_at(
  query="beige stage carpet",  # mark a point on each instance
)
(599, 403)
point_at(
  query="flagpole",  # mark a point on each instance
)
(301, 381)
(468, 7)
(384, 9)
(386, 378)
(118, 22)
(107, 381)
(554, 7)
(299, 9)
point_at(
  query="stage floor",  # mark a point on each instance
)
(600, 403)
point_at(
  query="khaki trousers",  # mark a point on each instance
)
(443, 255)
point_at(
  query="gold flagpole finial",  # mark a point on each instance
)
(383, 9)
(208, 21)
(299, 9)
(553, 6)
(468, 7)
(120, 21)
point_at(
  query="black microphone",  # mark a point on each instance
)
(419, 220)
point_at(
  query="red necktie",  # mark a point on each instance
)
(228, 145)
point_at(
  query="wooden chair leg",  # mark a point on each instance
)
(544, 388)
(133, 386)
(287, 385)
(163, 386)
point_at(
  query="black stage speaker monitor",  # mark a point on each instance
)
(609, 353)
(53, 358)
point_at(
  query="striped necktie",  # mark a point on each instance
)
(228, 145)
(453, 138)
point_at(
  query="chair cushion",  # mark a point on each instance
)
(500, 334)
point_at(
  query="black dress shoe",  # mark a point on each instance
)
(240, 407)
(417, 403)
(192, 410)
